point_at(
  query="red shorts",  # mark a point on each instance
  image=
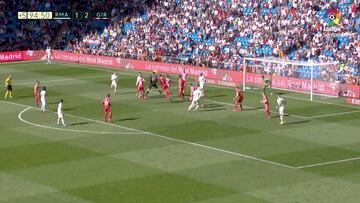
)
(107, 110)
(239, 101)
(36, 94)
(141, 88)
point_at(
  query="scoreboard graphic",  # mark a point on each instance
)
(64, 15)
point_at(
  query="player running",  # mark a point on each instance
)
(48, 55)
(60, 113)
(196, 99)
(114, 82)
(181, 88)
(265, 101)
(43, 99)
(107, 109)
(37, 93)
(238, 99)
(153, 83)
(266, 84)
(169, 82)
(8, 86)
(281, 106)
(192, 90)
(140, 83)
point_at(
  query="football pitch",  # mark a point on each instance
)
(157, 151)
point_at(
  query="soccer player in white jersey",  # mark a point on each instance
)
(48, 55)
(281, 106)
(202, 81)
(42, 99)
(196, 99)
(60, 113)
(114, 81)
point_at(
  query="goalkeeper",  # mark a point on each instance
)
(266, 84)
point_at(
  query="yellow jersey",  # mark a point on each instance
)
(8, 81)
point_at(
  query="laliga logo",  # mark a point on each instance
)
(333, 17)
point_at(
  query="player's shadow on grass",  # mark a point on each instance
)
(219, 95)
(180, 101)
(81, 123)
(213, 107)
(297, 122)
(127, 119)
(24, 96)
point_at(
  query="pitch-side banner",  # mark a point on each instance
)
(21, 56)
(213, 76)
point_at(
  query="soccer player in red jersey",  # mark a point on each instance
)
(184, 77)
(37, 93)
(164, 86)
(238, 99)
(265, 101)
(107, 108)
(181, 88)
(140, 82)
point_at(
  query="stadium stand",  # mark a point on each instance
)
(209, 33)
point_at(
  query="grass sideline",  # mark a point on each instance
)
(320, 144)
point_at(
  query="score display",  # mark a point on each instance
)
(64, 15)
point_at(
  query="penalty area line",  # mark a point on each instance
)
(328, 163)
(67, 129)
(170, 138)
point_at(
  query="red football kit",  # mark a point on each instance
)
(37, 94)
(239, 100)
(266, 106)
(107, 109)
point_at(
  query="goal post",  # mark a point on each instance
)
(297, 76)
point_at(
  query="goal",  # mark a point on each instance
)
(298, 76)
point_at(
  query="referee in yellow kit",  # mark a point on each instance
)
(8, 86)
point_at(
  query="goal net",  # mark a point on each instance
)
(296, 76)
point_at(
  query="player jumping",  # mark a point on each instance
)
(43, 99)
(238, 99)
(195, 100)
(153, 84)
(48, 55)
(140, 82)
(266, 84)
(60, 113)
(281, 106)
(265, 101)
(107, 109)
(114, 81)
(8, 86)
(37, 93)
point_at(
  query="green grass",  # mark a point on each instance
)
(157, 151)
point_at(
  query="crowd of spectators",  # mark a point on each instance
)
(220, 33)
(21, 34)
(210, 33)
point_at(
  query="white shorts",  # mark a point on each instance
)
(43, 102)
(201, 85)
(195, 101)
(113, 84)
(60, 115)
(281, 110)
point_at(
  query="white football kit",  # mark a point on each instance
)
(60, 112)
(43, 100)
(202, 81)
(281, 104)
(114, 79)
